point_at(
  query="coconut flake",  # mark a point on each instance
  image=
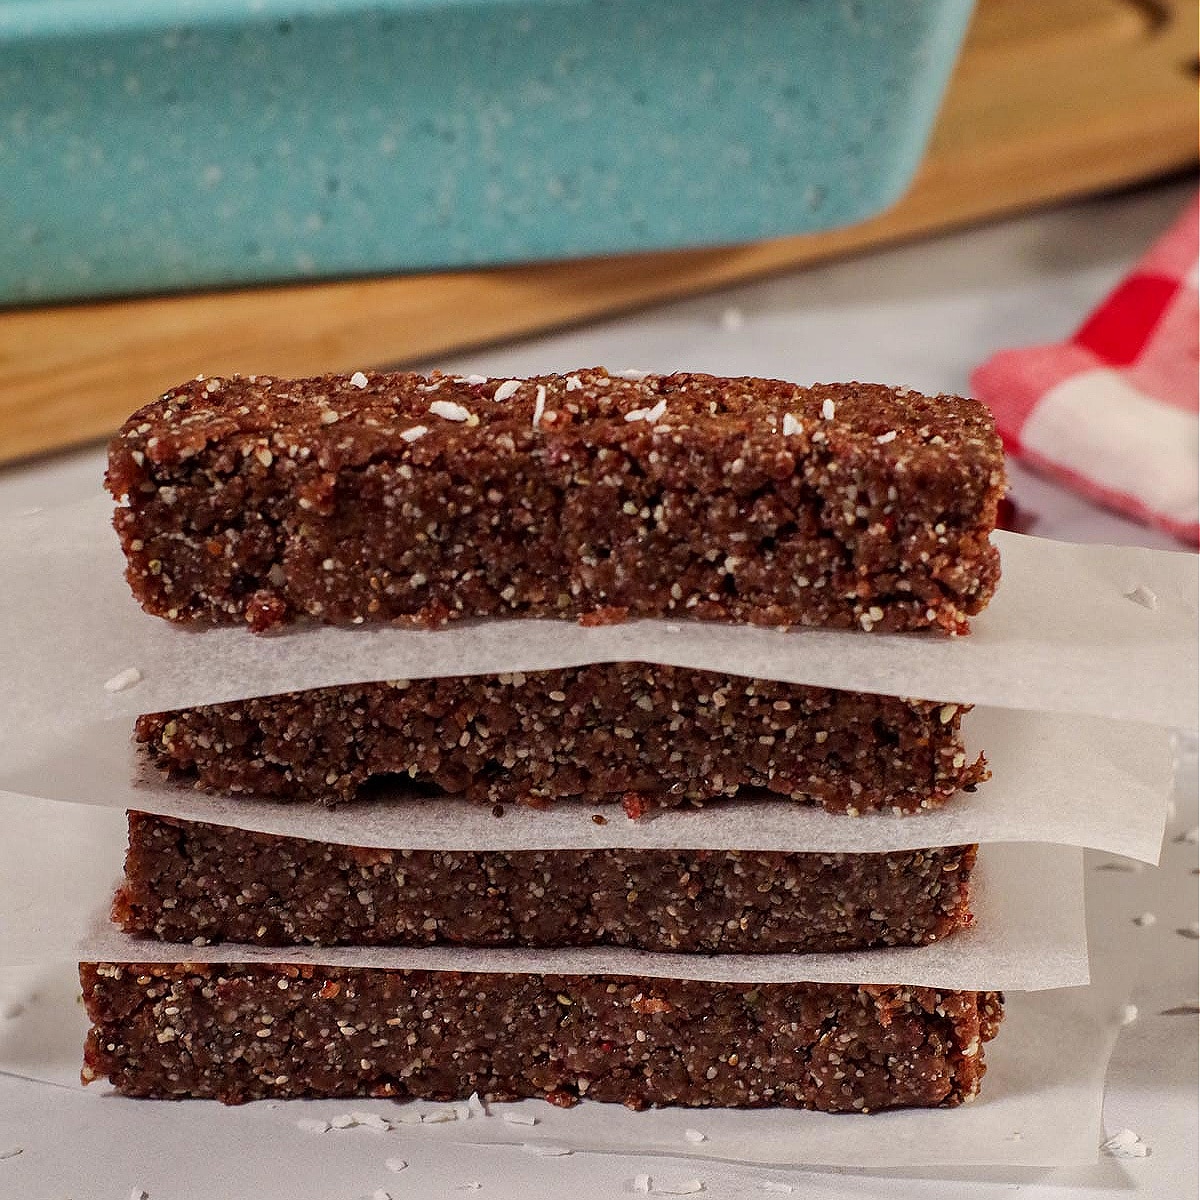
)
(123, 679)
(1125, 1144)
(1144, 596)
(791, 426)
(574, 383)
(414, 432)
(358, 380)
(884, 438)
(439, 1116)
(827, 409)
(632, 374)
(473, 379)
(649, 415)
(519, 1118)
(450, 411)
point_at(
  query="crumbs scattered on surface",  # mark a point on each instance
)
(396, 1164)
(1145, 920)
(313, 1125)
(1182, 1010)
(1129, 1014)
(694, 1135)
(11, 1152)
(546, 1149)
(123, 680)
(1189, 837)
(1191, 930)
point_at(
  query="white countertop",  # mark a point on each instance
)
(923, 315)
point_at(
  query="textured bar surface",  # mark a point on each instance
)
(593, 733)
(239, 1033)
(399, 497)
(186, 880)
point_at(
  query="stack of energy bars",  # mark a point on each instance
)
(592, 497)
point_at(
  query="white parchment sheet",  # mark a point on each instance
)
(58, 862)
(1040, 1104)
(1098, 630)
(1082, 781)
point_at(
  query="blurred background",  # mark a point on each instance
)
(300, 186)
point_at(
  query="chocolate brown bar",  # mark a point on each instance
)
(399, 497)
(250, 1032)
(185, 880)
(648, 735)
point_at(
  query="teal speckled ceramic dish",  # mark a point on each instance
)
(171, 144)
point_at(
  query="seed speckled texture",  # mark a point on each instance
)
(246, 1032)
(593, 733)
(187, 880)
(589, 495)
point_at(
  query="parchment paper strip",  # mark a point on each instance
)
(56, 875)
(1082, 781)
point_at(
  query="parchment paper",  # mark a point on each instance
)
(1082, 781)
(1028, 934)
(1062, 634)
(1040, 1104)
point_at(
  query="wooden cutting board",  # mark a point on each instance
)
(1049, 101)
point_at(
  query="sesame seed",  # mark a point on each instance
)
(539, 405)
(508, 388)
(473, 379)
(449, 411)
(358, 380)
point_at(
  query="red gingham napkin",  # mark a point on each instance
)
(1113, 411)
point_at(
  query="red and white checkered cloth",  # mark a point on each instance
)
(1113, 411)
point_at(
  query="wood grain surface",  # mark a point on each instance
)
(1049, 101)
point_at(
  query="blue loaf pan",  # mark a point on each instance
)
(166, 145)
